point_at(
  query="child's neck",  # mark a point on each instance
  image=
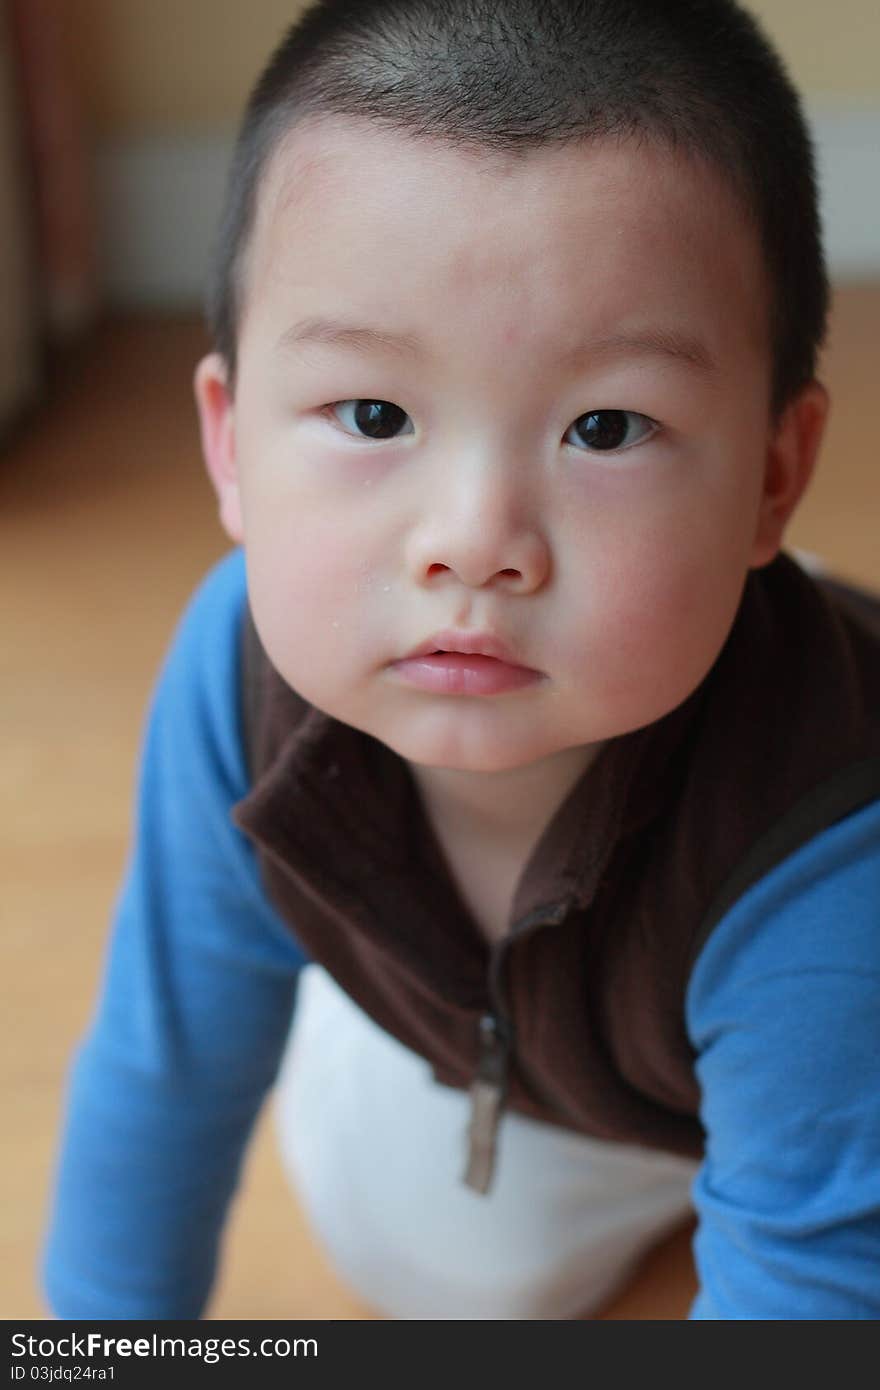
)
(504, 810)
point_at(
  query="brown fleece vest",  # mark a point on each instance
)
(576, 1017)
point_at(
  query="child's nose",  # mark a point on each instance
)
(486, 541)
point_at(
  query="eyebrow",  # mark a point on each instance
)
(668, 344)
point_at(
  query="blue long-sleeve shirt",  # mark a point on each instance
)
(199, 989)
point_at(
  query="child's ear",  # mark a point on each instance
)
(792, 450)
(217, 425)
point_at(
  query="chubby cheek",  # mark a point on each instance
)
(306, 585)
(658, 569)
(656, 628)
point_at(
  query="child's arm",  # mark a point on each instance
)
(784, 1010)
(194, 1010)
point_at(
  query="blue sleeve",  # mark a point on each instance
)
(193, 1012)
(783, 1009)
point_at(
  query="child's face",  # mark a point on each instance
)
(490, 505)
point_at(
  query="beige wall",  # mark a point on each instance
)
(831, 46)
(154, 66)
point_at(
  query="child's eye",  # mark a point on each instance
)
(377, 419)
(607, 431)
(611, 430)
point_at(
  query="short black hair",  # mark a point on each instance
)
(508, 75)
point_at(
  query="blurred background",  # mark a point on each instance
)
(116, 125)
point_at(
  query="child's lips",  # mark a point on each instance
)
(467, 642)
(462, 673)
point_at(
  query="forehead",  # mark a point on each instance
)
(350, 214)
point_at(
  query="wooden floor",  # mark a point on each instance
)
(106, 525)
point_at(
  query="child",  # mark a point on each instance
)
(550, 777)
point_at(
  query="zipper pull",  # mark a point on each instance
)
(487, 1099)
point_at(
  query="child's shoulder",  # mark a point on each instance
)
(196, 692)
(221, 591)
(785, 742)
(210, 619)
(806, 646)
